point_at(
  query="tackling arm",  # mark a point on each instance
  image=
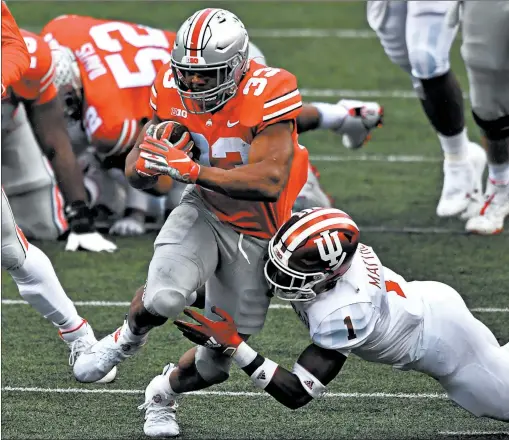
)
(265, 176)
(314, 369)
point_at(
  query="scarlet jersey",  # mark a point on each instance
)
(15, 58)
(118, 62)
(265, 96)
(36, 85)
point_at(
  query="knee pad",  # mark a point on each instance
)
(494, 130)
(171, 279)
(13, 256)
(212, 366)
(427, 63)
(165, 302)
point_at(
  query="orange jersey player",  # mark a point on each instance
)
(242, 119)
(117, 63)
(15, 59)
(105, 70)
(38, 124)
(266, 96)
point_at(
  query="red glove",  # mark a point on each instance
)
(219, 335)
(158, 157)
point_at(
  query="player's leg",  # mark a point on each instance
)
(38, 284)
(462, 353)
(185, 256)
(429, 40)
(30, 184)
(238, 287)
(485, 51)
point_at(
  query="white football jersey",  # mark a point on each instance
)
(368, 313)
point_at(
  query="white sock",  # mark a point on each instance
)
(38, 285)
(455, 148)
(331, 115)
(499, 174)
(129, 336)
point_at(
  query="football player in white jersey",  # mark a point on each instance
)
(351, 303)
(416, 37)
(485, 52)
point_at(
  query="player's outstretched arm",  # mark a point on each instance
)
(265, 175)
(314, 369)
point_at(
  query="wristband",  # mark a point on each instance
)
(264, 373)
(244, 355)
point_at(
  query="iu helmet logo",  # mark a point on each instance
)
(331, 251)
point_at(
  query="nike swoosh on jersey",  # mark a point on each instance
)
(231, 124)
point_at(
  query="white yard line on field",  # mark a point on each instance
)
(223, 393)
(389, 158)
(350, 34)
(353, 34)
(17, 302)
(474, 433)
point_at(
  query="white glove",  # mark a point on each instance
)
(90, 241)
(362, 118)
(127, 227)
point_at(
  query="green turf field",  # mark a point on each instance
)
(394, 202)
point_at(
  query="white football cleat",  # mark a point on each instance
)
(490, 220)
(99, 359)
(362, 118)
(160, 407)
(462, 188)
(79, 340)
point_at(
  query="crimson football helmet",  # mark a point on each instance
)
(310, 252)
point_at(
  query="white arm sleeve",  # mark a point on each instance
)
(346, 328)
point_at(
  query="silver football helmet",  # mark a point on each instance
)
(209, 59)
(68, 80)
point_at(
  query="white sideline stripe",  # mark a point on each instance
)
(393, 158)
(17, 302)
(223, 393)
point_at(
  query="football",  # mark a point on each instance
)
(177, 134)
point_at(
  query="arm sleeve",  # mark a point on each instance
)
(15, 58)
(346, 328)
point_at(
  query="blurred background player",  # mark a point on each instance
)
(102, 57)
(415, 36)
(485, 50)
(28, 266)
(32, 120)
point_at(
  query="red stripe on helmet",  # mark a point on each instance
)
(194, 45)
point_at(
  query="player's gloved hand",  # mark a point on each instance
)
(83, 234)
(128, 227)
(159, 157)
(363, 117)
(218, 335)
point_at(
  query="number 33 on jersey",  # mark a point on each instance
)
(265, 96)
